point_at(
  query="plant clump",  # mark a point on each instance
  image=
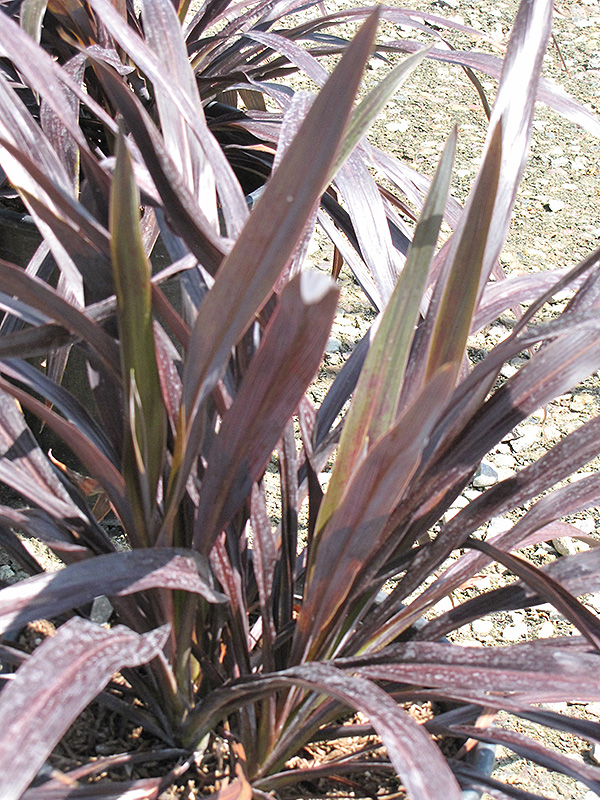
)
(165, 333)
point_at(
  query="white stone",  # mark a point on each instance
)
(486, 476)
(400, 127)
(582, 402)
(587, 525)
(513, 633)
(566, 546)
(445, 604)
(508, 371)
(530, 435)
(453, 510)
(333, 346)
(551, 432)
(482, 627)
(546, 630)
(594, 601)
(313, 246)
(504, 460)
(324, 479)
(593, 708)
(498, 525)
(554, 204)
(579, 476)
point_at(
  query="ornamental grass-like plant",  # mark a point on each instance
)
(234, 643)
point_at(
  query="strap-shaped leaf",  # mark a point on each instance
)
(52, 687)
(146, 421)
(273, 386)
(163, 34)
(376, 396)
(542, 671)
(355, 534)
(417, 760)
(267, 241)
(114, 574)
(228, 186)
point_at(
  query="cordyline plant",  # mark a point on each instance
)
(233, 642)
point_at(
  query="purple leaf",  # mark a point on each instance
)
(27, 469)
(542, 671)
(267, 241)
(163, 35)
(228, 186)
(417, 760)
(114, 574)
(47, 301)
(274, 384)
(548, 588)
(53, 687)
(146, 789)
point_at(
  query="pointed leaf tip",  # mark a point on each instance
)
(314, 287)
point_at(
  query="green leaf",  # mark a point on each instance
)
(374, 102)
(374, 406)
(453, 321)
(357, 532)
(31, 16)
(145, 425)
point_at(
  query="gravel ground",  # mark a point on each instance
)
(555, 224)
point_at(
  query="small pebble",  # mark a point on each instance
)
(565, 546)
(502, 448)
(333, 346)
(504, 460)
(401, 127)
(101, 610)
(498, 525)
(482, 627)
(456, 506)
(587, 525)
(594, 601)
(513, 633)
(7, 573)
(530, 435)
(508, 371)
(445, 604)
(582, 402)
(546, 630)
(486, 475)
